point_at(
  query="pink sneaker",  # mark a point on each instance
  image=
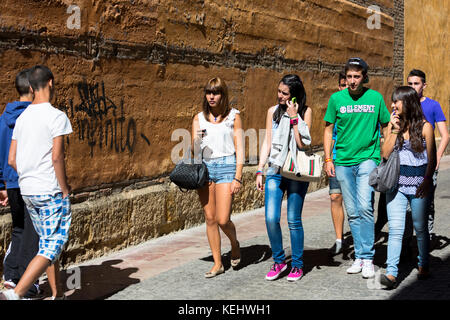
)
(296, 274)
(275, 270)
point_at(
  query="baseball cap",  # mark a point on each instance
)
(358, 62)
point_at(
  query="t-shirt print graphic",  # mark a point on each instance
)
(357, 109)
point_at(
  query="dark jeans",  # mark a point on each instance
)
(381, 214)
(24, 241)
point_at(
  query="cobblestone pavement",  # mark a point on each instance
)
(325, 277)
(172, 267)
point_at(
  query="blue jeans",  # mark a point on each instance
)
(275, 187)
(334, 186)
(397, 203)
(359, 198)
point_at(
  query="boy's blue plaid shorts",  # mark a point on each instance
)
(51, 217)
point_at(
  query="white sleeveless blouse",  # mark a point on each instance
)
(219, 137)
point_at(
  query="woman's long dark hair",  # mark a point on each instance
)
(296, 90)
(216, 85)
(411, 118)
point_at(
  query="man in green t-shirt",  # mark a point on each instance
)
(357, 113)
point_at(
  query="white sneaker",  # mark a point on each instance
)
(368, 270)
(9, 295)
(356, 266)
(9, 284)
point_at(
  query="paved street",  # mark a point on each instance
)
(172, 267)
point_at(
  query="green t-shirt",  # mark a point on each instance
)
(357, 122)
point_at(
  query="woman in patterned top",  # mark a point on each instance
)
(413, 137)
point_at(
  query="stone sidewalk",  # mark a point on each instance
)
(172, 267)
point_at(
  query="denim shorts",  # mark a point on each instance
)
(335, 187)
(221, 170)
(51, 217)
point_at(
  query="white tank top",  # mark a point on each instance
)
(219, 136)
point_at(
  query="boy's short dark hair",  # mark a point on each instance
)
(39, 77)
(22, 82)
(417, 73)
(341, 76)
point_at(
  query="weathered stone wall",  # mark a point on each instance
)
(427, 29)
(134, 71)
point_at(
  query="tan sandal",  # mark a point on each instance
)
(212, 274)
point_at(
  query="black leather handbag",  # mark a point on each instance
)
(188, 175)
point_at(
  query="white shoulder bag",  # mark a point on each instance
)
(310, 166)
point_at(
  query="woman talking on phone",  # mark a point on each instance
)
(413, 137)
(218, 130)
(291, 112)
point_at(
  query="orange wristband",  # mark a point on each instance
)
(328, 160)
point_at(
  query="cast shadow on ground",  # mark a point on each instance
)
(97, 282)
(438, 269)
(436, 287)
(255, 254)
(249, 255)
(408, 260)
(317, 258)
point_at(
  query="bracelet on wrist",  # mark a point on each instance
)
(294, 121)
(237, 180)
(259, 172)
(328, 160)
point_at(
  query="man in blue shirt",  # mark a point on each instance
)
(433, 114)
(24, 239)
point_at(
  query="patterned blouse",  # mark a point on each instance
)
(413, 166)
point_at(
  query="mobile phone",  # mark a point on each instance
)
(294, 100)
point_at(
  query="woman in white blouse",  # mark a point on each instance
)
(218, 130)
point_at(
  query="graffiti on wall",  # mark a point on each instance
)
(101, 122)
